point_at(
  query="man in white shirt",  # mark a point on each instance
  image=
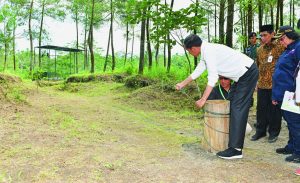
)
(220, 60)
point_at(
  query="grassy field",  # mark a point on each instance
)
(105, 132)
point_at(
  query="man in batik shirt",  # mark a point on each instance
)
(268, 116)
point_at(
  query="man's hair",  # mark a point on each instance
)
(269, 28)
(192, 41)
(252, 34)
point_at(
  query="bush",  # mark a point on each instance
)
(138, 81)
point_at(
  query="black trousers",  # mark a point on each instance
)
(240, 101)
(268, 116)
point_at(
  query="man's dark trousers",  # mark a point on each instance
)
(268, 116)
(293, 122)
(240, 101)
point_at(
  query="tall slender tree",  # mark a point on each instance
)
(30, 35)
(230, 15)
(149, 50)
(112, 36)
(142, 42)
(91, 38)
(221, 21)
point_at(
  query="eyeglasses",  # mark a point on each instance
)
(220, 78)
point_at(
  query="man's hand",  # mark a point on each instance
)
(274, 102)
(179, 86)
(200, 103)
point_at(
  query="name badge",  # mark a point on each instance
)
(270, 58)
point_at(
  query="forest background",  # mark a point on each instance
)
(151, 33)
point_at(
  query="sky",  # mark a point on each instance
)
(64, 33)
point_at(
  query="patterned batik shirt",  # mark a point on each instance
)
(267, 56)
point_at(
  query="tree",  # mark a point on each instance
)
(30, 35)
(221, 22)
(8, 19)
(250, 16)
(142, 43)
(229, 29)
(91, 38)
(112, 36)
(148, 40)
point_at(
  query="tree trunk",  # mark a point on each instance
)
(215, 17)
(30, 35)
(127, 40)
(77, 39)
(91, 39)
(107, 50)
(165, 48)
(14, 45)
(260, 13)
(272, 14)
(41, 30)
(281, 12)
(195, 32)
(291, 12)
(244, 28)
(142, 44)
(132, 45)
(277, 15)
(188, 59)
(229, 30)
(293, 24)
(112, 36)
(169, 42)
(148, 41)
(221, 21)
(208, 27)
(5, 47)
(157, 40)
(85, 43)
(250, 15)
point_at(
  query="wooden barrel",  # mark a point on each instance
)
(216, 125)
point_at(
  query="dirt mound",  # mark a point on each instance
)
(9, 78)
(164, 96)
(11, 89)
(96, 77)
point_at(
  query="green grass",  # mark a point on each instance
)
(179, 67)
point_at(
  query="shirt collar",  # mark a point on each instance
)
(292, 45)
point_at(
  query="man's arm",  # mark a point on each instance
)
(200, 103)
(197, 72)
(182, 84)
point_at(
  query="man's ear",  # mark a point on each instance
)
(273, 33)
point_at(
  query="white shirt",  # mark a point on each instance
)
(221, 60)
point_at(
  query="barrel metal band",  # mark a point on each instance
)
(209, 144)
(215, 129)
(216, 113)
(211, 116)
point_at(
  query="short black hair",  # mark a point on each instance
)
(269, 28)
(191, 41)
(252, 34)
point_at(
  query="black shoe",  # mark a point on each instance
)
(293, 158)
(284, 151)
(257, 136)
(230, 153)
(272, 139)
